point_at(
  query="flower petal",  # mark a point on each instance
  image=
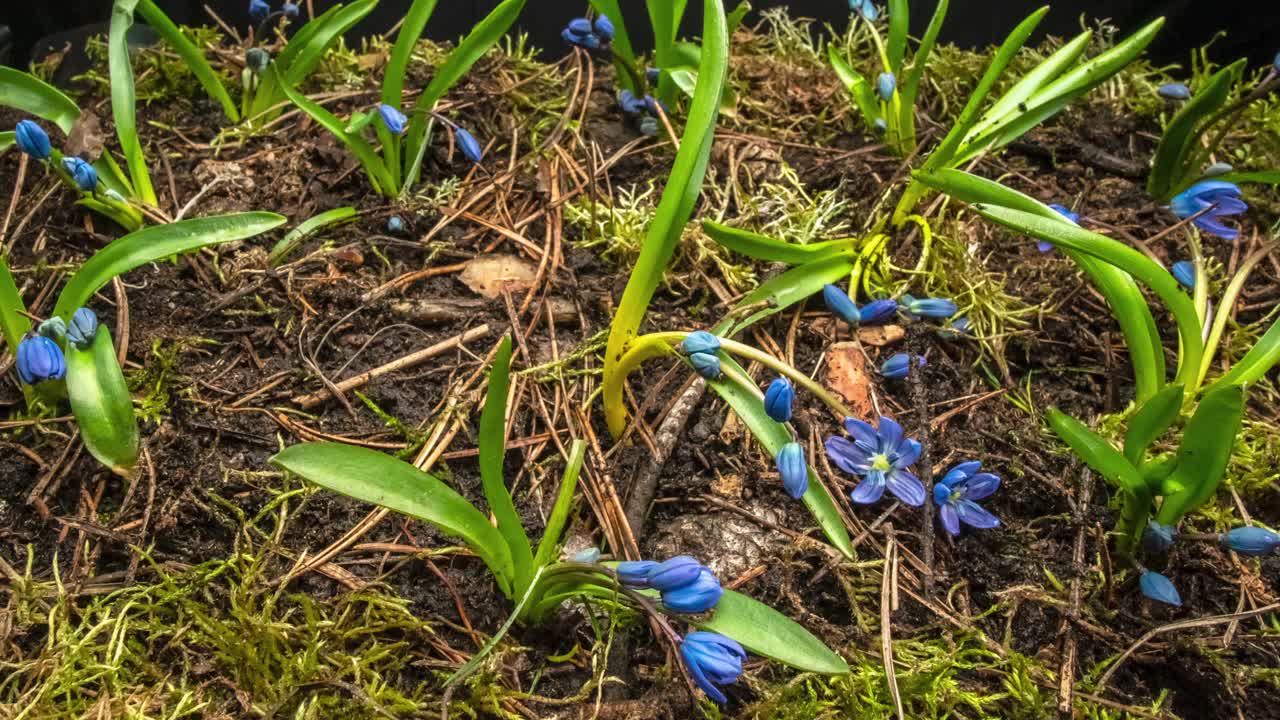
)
(890, 435)
(1213, 227)
(950, 520)
(961, 472)
(863, 433)
(971, 513)
(908, 452)
(847, 455)
(906, 487)
(870, 489)
(981, 486)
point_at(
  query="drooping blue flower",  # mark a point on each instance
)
(1065, 212)
(928, 307)
(962, 326)
(392, 118)
(629, 103)
(881, 457)
(635, 573)
(648, 126)
(880, 126)
(697, 596)
(85, 177)
(1185, 272)
(652, 75)
(1174, 91)
(869, 11)
(40, 359)
(673, 573)
(581, 33)
(1251, 540)
(32, 139)
(707, 364)
(899, 365)
(1220, 198)
(83, 328)
(1159, 588)
(257, 59)
(259, 10)
(793, 469)
(712, 659)
(885, 84)
(778, 398)
(467, 144)
(395, 224)
(957, 493)
(878, 312)
(1157, 538)
(289, 9)
(699, 341)
(1216, 169)
(604, 28)
(840, 305)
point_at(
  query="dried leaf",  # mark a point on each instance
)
(491, 275)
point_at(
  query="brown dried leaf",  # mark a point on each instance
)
(847, 375)
(491, 275)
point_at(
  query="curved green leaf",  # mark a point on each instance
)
(1261, 177)
(191, 55)
(549, 545)
(1207, 443)
(857, 86)
(1015, 98)
(156, 243)
(1261, 357)
(493, 432)
(123, 101)
(765, 631)
(377, 478)
(1168, 167)
(1097, 453)
(306, 229)
(411, 27)
(909, 84)
(12, 322)
(787, 289)
(1150, 421)
(101, 403)
(28, 93)
(762, 247)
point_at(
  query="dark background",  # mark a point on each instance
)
(1251, 27)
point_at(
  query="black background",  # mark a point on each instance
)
(1251, 27)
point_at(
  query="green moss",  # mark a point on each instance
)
(155, 384)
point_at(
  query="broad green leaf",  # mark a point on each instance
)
(12, 322)
(674, 209)
(623, 54)
(1207, 443)
(909, 84)
(1150, 421)
(735, 17)
(766, 248)
(7, 140)
(101, 403)
(749, 407)
(306, 229)
(1168, 168)
(124, 216)
(1014, 100)
(858, 87)
(896, 47)
(28, 93)
(378, 478)
(123, 101)
(664, 18)
(411, 27)
(1096, 452)
(1262, 177)
(1261, 357)
(156, 243)
(191, 55)
(783, 291)
(765, 631)
(549, 546)
(493, 432)
(971, 189)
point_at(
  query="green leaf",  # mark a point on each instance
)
(156, 243)
(101, 403)
(899, 20)
(857, 86)
(28, 93)
(909, 84)
(624, 56)
(765, 631)
(679, 195)
(190, 55)
(787, 289)
(306, 229)
(1168, 168)
(1150, 421)
(549, 546)
(123, 101)
(766, 248)
(1031, 83)
(1096, 452)
(1261, 357)
(377, 478)
(12, 322)
(411, 27)
(737, 389)
(1261, 177)
(665, 17)
(493, 427)
(1207, 443)
(7, 140)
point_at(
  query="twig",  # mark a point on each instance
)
(888, 590)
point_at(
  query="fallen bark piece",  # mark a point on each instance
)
(881, 335)
(492, 275)
(847, 375)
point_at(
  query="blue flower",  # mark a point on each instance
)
(793, 469)
(648, 126)
(85, 176)
(652, 75)
(395, 224)
(1157, 538)
(1251, 540)
(673, 573)
(957, 493)
(1174, 91)
(392, 118)
(840, 305)
(83, 328)
(40, 359)
(1216, 169)
(899, 365)
(1159, 588)
(880, 126)
(1065, 212)
(712, 659)
(289, 9)
(700, 341)
(928, 307)
(885, 84)
(32, 139)
(1276, 63)
(694, 597)
(878, 312)
(258, 10)
(1185, 272)
(707, 364)
(652, 104)
(1220, 198)
(604, 28)
(257, 59)
(467, 144)
(881, 457)
(961, 326)
(778, 398)
(580, 32)
(869, 11)
(635, 573)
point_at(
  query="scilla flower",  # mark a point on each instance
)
(257, 59)
(259, 10)
(1045, 246)
(881, 457)
(395, 224)
(1159, 588)
(1185, 272)
(707, 364)
(885, 84)
(603, 28)
(1220, 198)
(85, 177)
(840, 305)
(392, 118)
(956, 496)
(878, 312)
(589, 555)
(83, 328)
(778, 398)
(468, 145)
(1216, 169)
(880, 126)
(712, 659)
(40, 359)
(697, 596)
(672, 573)
(899, 365)
(32, 139)
(1157, 538)
(629, 103)
(289, 9)
(635, 573)
(1174, 91)
(54, 328)
(793, 470)
(580, 32)
(699, 341)
(1251, 540)
(928, 307)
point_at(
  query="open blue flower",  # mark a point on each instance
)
(778, 399)
(881, 457)
(712, 659)
(1159, 588)
(1185, 272)
(793, 470)
(40, 359)
(957, 493)
(32, 139)
(1218, 197)
(1174, 91)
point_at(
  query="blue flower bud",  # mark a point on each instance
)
(878, 312)
(885, 84)
(83, 328)
(1216, 169)
(590, 555)
(1174, 91)
(635, 573)
(700, 341)
(85, 176)
(289, 9)
(869, 11)
(652, 75)
(1251, 540)
(673, 573)
(1185, 272)
(899, 365)
(880, 126)
(929, 307)
(629, 103)
(257, 59)
(580, 27)
(840, 304)
(1157, 538)
(793, 469)
(392, 118)
(778, 398)
(395, 224)
(962, 326)
(712, 659)
(694, 597)
(54, 328)
(1159, 588)
(40, 359)
(258, 10)
(468, 145)
(1065, 212)
(707, 364)
(604, 28)
(648, 126)
(32, 139)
